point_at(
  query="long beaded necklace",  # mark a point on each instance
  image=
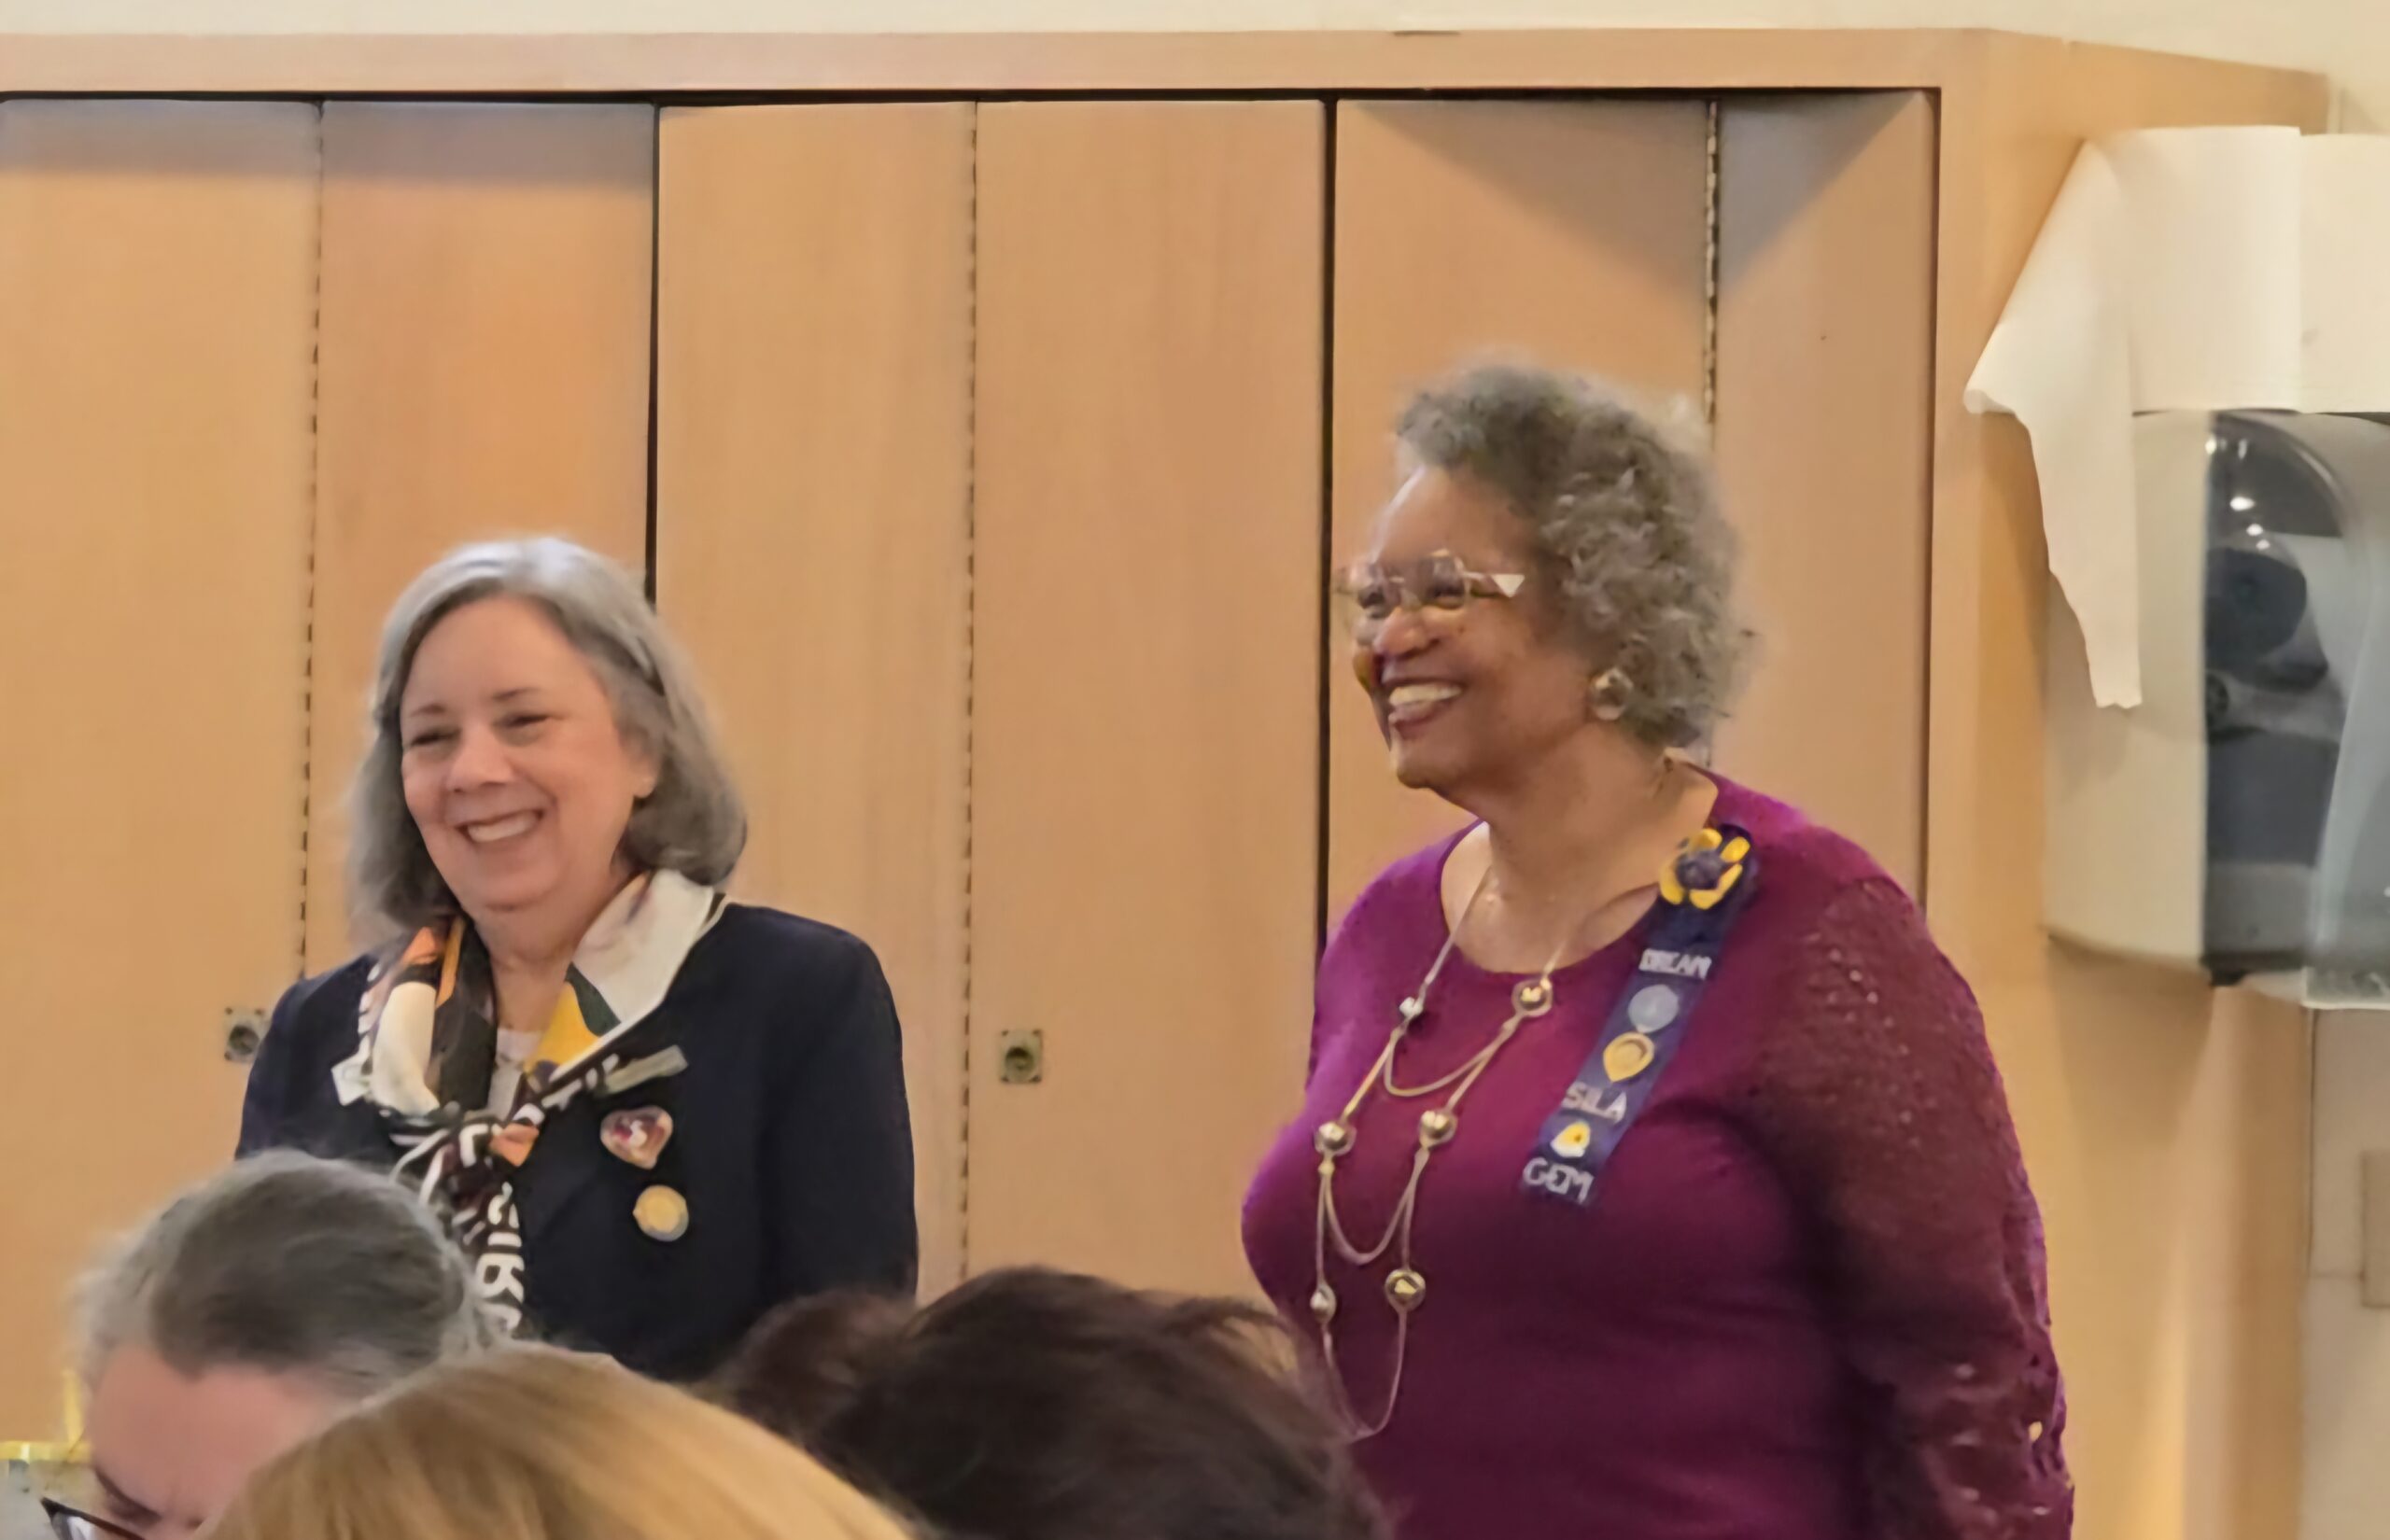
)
(1406, 1287)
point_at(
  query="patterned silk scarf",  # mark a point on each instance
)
(428, 1047)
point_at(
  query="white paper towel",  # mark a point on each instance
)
(2182, 269)
(2059, 361)
(2345, 273)
(2211, 236)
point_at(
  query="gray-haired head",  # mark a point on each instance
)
(1627, 528)
(693, 823)
(290, 1265)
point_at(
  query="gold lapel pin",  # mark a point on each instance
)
(662, 1213)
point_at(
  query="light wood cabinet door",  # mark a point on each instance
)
(1825, 456)
(484, 343)
(1145, 710)
(157, 302)
(813, 462)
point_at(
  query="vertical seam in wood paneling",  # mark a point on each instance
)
(307, 596)
(1705, 752)
(970, 663)
(1331, 109)
(655, 327)
(1709, 272)
(1932, 470)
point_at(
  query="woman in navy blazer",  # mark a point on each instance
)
(649, 1114)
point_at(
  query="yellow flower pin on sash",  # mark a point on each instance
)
(1705, 869)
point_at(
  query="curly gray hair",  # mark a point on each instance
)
(1627, 528)
(291, 1264)
(693, 823)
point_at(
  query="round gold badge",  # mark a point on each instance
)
(1626, 1056)
(663, 1215)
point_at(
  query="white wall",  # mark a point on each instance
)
(2349, 39)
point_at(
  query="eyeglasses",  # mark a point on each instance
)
(1437, 585)
(75, 1524)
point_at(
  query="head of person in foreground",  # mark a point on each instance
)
(531, 1443)
(1031, 1403)
(241, 1317)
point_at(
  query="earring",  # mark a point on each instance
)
(1608, 694)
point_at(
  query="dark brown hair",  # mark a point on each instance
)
(1031, 1404)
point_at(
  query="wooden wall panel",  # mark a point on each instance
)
(485, 305)
(1146, 748)
(157, 299)
(813, 403)
(1572, 233)
(1824, 446)
(2158, 1116)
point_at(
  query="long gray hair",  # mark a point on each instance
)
(291, 1265)
(693, 823)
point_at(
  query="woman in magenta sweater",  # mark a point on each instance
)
(1654, 1182)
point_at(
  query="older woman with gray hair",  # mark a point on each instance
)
(648, 1112)
(244, 1316)
(1655, 1181)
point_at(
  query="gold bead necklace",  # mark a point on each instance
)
(1406, 1287)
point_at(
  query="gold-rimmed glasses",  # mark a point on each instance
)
(1439, 584)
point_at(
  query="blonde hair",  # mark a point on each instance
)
(527, 1443)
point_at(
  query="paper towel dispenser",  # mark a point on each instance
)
(2237, 819)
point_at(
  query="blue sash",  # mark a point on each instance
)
(1702, 895)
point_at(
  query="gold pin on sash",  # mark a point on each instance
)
(1628, 1055)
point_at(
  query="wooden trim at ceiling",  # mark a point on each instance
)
(962, 63)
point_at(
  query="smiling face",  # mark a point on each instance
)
(1467, 697)
(168, 1450)
(514, 768)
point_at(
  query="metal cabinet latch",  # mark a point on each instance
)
(1021, 1057)
(244, 1029)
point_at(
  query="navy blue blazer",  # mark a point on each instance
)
(791, 1142)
